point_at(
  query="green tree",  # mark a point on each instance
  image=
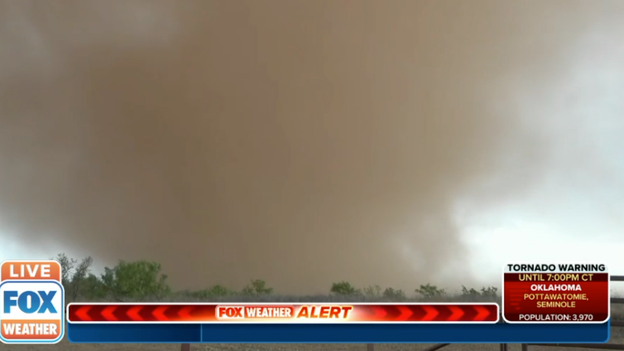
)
(491, 292)
(73, 274)
(344, 288)
(257, 287)
(67, 267)
(93, 288)
(430, 291)
(394, 295)
(469, 293)
(79, 275)
(137, 280)
(373, 292)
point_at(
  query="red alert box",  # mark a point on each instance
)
(32, 302)
(556, 293)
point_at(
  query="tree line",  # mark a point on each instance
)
(144, 281)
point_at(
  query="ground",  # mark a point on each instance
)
(270, 347)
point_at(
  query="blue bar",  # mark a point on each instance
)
(338, 333)
(134, 333)
(406, 333)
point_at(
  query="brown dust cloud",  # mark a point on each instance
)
(300, 142)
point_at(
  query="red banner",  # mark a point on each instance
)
(548, 294)
(282, 313)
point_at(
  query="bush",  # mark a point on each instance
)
(219, 290)
(138, 280)
(344, 288)
(211, 293)
(430, 291)
(394, 295)
(372, 292)
(489, 292)
(469, 293)
(257, 287)
(93, 289)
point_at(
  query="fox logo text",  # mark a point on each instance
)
(29, 301)
(230, 312)
(31, 311)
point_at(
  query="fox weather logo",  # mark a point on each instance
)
(32, 302)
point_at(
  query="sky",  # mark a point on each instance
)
(395, 143)
(576, 210)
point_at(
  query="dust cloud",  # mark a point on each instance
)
(301, 142)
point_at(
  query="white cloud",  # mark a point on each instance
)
(575, 212)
